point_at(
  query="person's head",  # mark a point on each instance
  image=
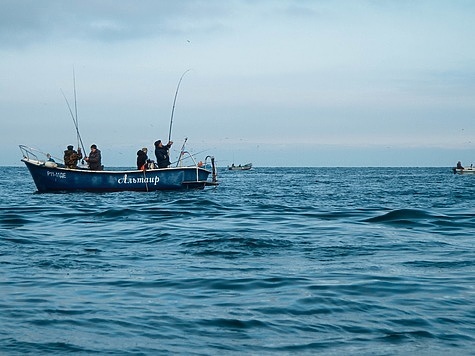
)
(93, 147)
(70, 147)
(144, 150)
(158, 143)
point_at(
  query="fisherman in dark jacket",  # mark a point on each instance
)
(142, 158)
(161, 153)
(94, 159)
(71, 157)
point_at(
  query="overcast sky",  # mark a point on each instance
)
(275, 83)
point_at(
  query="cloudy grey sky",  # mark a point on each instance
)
(276, 83)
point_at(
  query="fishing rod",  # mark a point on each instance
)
(77, 120)
(174, 103)
(182, 151)
(74, 121)
(76, 108)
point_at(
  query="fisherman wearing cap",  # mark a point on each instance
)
(161, 153)
(94, 159)
(71, 157)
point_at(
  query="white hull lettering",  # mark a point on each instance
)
(61, 175)
(134, 180)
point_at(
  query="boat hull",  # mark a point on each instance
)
(50, 178)
(467, 170)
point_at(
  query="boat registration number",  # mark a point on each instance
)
(56, 174)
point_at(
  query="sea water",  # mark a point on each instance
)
(376, 261)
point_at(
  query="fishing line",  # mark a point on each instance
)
(145, 179)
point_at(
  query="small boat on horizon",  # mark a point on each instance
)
(459, 169)
(464, 170)
(244, 167)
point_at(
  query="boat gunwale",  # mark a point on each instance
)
(42, 164)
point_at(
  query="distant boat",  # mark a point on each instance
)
(50, 176)
(464, 170)
(244, 167)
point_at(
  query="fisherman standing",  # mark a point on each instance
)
(71, 157)
(161, 153)
(94, 159)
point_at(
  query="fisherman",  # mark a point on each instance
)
(142, 158)
(71, 157)
(94, 159)
(162, 154)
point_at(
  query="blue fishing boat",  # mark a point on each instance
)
(50, 176)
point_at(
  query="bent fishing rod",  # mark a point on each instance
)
(174, 104)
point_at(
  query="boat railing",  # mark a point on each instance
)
(31, 154)
(35, 155)
(183, 155)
